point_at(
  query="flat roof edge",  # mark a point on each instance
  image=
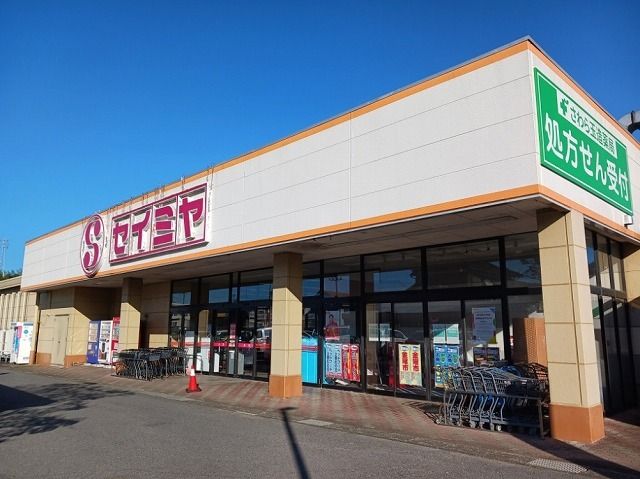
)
(230, 162)
(339, 118)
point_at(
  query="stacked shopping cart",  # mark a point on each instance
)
(148, 364)
(514, 398)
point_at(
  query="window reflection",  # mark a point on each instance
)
(591, 259)
(398, 271)
(311, 279)
(215, 289)
(342, 277)
(256, 285)
(522, 260)
(603, 262)
(616, 264)
(184, 293)
(465, 265)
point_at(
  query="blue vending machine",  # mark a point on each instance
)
(93, 342)
(310, 360)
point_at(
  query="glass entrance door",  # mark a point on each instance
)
(222, 346)
(203, 342)
(182, 331)
(246, 321)
(241, 341)
(263, 342)
(182, 334)
(394, 347)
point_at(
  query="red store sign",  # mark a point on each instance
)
(172, 223)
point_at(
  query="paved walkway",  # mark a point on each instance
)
(383, 416)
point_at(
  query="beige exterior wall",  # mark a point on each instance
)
(576, 412)
(16, 305)
(80, 305)
(130, 313)
(52, 304)
(155, 313)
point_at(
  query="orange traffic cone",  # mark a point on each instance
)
(193, 383)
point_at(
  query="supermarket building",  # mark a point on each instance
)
(485, 213)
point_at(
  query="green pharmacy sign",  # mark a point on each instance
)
(574, 145)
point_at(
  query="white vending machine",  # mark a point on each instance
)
(104, 342)
(21, 350)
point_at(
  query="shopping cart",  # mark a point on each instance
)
(147, 364)
(495, 398)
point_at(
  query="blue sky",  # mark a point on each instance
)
(102, 101)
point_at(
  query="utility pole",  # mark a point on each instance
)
(4, 244)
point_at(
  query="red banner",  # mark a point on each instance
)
(355, 362)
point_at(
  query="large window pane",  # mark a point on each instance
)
(625, 355)
(616, 263)
(256, 285)
(395, 337)
(184, 293)
(599, 337)
(603, 262)
(215, 289)
(342, 277)
(527, 330)
(311, 280)
(380, 357)
(634, 326)
(263, 342)
(408, 339)
(591, 258)
(397, 271)
(469, 264)
(484, 335)
(523, 261)
(446, 323)
(203, 341)
(341, 352)
(611, 346)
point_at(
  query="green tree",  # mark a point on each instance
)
(11, 273)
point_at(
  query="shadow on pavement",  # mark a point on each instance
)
(631, 417)
(303, 473)
(576, 455)
(15, 399)
(561, 450)
(36, 409)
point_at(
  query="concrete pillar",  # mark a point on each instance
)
(130, 310)
(285, 379)
(576, 413)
